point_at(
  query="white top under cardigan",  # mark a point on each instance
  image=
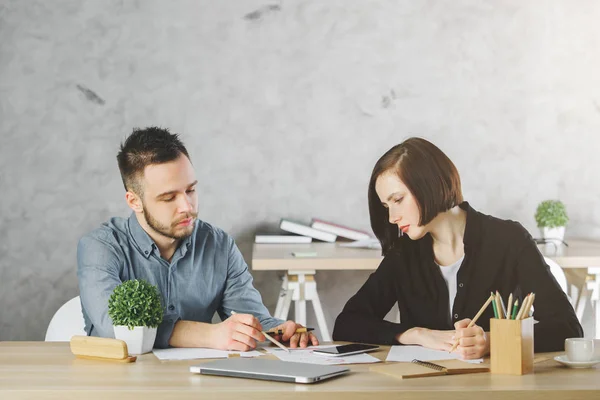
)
(450, 273)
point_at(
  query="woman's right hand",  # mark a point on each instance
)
(432, 339)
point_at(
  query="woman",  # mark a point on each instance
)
(442, 259)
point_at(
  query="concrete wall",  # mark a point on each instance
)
(285, 107)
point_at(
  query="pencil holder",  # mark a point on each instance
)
(511, 346)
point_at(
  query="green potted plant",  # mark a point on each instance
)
(551, 217)
(136, 311)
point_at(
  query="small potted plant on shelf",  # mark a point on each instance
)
(551, 217)
(136, 311)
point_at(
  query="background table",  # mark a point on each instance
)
(299, 284)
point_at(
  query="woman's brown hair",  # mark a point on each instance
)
(430, 176)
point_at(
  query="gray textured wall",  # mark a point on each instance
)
(285, 107)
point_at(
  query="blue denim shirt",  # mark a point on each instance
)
(207, 274)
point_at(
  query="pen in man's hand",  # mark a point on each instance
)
(269, 338)
(280, 331)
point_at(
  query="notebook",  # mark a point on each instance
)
(419, 369)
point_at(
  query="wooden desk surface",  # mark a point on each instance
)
(330, 256)
(46, 370)
(581, 253)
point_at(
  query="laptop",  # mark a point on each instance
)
(272, 370)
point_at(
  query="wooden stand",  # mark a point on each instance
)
(511, 346)
(96, 348)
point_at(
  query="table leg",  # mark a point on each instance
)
(581, 302)
(300, 306)
(595, 297)
(576, 281)
(597, 305)
(285, 311)
(283, 291)
(304, 288)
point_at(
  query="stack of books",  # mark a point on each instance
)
(295, 232)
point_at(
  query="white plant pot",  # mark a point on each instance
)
(553, 233)
(139, 340)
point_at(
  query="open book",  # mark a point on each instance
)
(418, 369)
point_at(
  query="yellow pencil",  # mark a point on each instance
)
(481, 310)
(499, 305)
(270, 338)
(523, 307)
(529, 305)
(509, 306)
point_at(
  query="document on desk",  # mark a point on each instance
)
(307, 356)
(409, 353)
(195, 353)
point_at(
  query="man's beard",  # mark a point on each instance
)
(169, 231)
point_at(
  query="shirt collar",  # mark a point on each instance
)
(141, 238)
(473, 231)
(145, 242)
(187, 242)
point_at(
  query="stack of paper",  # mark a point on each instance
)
(307, 356)
(195, 353)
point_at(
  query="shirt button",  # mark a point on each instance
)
(460, 284)
(171, 307)
(146, 252)
(455, 316)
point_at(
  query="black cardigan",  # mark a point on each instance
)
(499, 255)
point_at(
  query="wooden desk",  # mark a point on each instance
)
(330, 256)
(300, 286)
(48, 370)
(581, 253)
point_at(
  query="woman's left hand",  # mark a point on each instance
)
(473, 342)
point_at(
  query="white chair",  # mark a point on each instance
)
(559, 274)
(66, 322)
(561, 278)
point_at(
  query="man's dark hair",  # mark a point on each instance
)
(145, 147)
(430, 176)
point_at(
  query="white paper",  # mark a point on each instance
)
(409, 353)
(306, 356)
(196, 353)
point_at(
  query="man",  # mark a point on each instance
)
(197, 267)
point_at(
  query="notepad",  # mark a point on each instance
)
(419, 369)
(405, 353)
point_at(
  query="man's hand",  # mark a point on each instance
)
(239, 332)
(473, 342)
(296, 339)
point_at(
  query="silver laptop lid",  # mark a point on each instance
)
(275, 370)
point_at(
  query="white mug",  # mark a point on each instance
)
(579, 349)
